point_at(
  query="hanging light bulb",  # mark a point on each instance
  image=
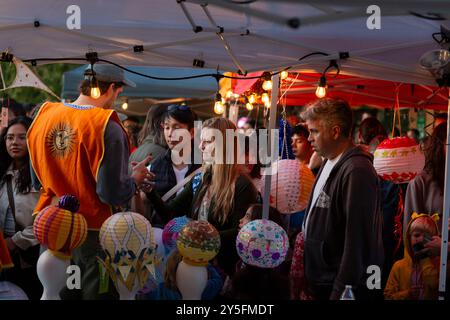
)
(229, 94)
(265, 97)
(267, 104)
(218, 105)
(284, 75)
(125, 105)
(95, 91)
(249, 106)
(267, 84)
(252, 98)
(321, 90)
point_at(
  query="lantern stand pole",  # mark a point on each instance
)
(272, 123)
(445, 216)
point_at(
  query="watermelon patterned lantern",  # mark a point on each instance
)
(398, 160)
(291, 186)
(171, 231)
(262, 243)
(128, 242)
(60, 228)
(198, 243)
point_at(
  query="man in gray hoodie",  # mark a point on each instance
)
(343, 222)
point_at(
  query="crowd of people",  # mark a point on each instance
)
(354, 219)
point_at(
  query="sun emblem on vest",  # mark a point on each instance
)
(61, 140)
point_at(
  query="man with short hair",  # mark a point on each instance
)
(82, 149)
(301, 147)
(343, 222)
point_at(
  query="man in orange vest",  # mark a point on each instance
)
(82, 149)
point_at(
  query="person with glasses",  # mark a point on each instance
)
(168, 170)
(17, 201)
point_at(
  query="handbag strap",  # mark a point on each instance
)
(179, 185)
(9, 188)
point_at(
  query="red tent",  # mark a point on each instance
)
(299, 89)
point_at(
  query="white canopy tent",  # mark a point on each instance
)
(255, 36)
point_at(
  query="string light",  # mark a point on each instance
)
(218, 105)
(229, 94)
(321, 90)
(125, 105)
(267, 84)
(249, 106)
(95, 91)
(265, 97)
(284, 75)
(267, 104)
(252, 98)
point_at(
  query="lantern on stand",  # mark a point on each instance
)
(61, 229)
(198, 243)
(129, 246)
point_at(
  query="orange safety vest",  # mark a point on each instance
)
(66, 146)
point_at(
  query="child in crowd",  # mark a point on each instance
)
(416, 276)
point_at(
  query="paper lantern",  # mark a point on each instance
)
(171, 231)
(398, 160)
(198, 243)
(60, 228)
(291, 186)
(127, 239)
(262, 243)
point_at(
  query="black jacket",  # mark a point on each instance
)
(165, 178)
(344, 233)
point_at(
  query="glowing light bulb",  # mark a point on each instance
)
(249, 106)
(267, 104)
(265, 97)
(321, 90)
(252, 98)
(267, 85)
(229, 94)
(125, 105)
(95, 92)
(284, 75)
(218, 107)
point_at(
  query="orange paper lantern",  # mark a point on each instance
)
(60, 228)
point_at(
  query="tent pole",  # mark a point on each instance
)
(272, 149)
(445, 216)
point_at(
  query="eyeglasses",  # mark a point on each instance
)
(182, 107)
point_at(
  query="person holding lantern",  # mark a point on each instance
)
(82, 149)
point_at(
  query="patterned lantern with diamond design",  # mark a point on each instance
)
(398, 160)
(127, 239)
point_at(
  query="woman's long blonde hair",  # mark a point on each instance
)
(223, 176)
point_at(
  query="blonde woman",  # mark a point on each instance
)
(220, 194)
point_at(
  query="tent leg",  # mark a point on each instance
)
(272, 149)
(445, 216)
